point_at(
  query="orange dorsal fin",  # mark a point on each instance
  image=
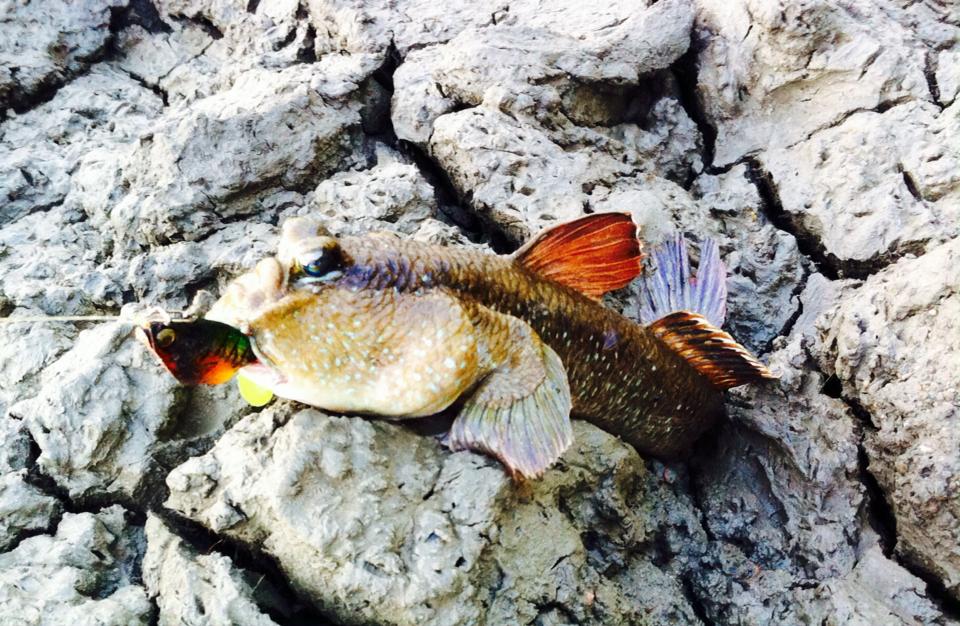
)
(711, 351)
(592, 254)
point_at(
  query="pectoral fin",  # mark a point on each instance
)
(519, 413)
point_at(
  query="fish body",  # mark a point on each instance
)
(395, 336)
(402, 329)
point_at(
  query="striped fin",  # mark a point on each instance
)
(592, 254)
(711, 351)
(671, 287)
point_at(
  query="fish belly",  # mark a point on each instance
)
(366, 351)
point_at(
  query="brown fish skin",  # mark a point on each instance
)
(622, 377)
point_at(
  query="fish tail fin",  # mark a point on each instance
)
(686, 313)
(593, 254)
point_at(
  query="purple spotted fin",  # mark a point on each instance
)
(686, 312)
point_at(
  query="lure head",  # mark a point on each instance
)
(199, 352)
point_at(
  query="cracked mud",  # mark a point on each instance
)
(148, 151)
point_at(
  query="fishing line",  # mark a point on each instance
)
(134, 319)
(59, 318)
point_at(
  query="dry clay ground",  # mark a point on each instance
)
(149, 150)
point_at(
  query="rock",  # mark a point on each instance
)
(23, 509)
(392, 195)
(410, 25)
(99, 413)
(770, 515)
(783, 498)
(578, 85)
(199, 166)
(907, 190)
(197, 49)
(14, 445)
(83, 575)
(765, 270)
(153, 56)
(948, 75)
(166, 275)
(90, 119)
(50, 262)
(877, 591)
(45, 43)
(772, 74)
(667, 141)
(891, 343)
(148, 154)
(414, 534)
(25, 349)
(538, 71)
(192, 588)
(513, 174)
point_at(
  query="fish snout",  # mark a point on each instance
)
(250, 293)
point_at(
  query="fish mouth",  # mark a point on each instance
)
(264, 375)
(147, 333)
(263, 371)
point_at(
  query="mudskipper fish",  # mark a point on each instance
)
(396, 328)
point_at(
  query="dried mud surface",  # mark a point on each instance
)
(149, 149)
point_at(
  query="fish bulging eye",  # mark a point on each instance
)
(319, 262)
(166, 337)
(317, 268)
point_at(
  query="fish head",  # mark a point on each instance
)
(198, 352)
